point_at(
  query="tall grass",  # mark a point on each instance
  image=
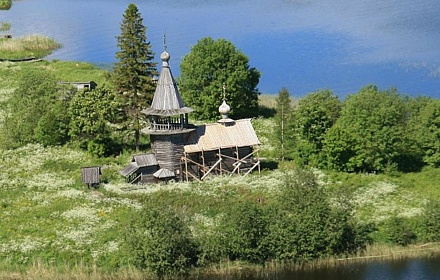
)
(5, 26)
(29, 46)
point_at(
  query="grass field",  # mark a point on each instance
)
(53, 227)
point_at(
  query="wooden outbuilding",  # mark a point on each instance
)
(87, 86)
(91, 176)
(141, 169)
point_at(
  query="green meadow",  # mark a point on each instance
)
(54, 227)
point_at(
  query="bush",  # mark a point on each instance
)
(431, 221)
(398, 231)
(245, 228)
(5, 4)
(307, 226)
(161, 242)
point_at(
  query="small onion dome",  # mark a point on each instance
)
(165, 57)
(224, 109)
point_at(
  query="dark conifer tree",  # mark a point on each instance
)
(134, 72)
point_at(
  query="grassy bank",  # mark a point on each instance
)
(223, 271)
(30, 46)
(5, 4)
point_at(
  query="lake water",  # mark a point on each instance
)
(303, 45)
(407, 269)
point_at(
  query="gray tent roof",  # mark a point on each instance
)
(167, 100)
(163, 173)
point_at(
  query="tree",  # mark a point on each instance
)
(425, 129)
(34, 96)
(369, 134)
(244, 229)
(209, 66)
(305, 229)
(282, 118)
(90, 113)
(315, 114)
(53, 126)
(133, 73)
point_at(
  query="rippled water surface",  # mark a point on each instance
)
(406, 269)
(303, 45)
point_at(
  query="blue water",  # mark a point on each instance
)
(303, 45)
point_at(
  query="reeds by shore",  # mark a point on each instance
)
(4, 26)
(27, 46)
(225, 270)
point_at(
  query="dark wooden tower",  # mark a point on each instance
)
(169, 128)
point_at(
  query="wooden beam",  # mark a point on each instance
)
(192, 175)
(212, 168)
(250, 154)
(236, 167)
(255, 165)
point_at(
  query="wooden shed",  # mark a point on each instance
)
(91, 176)
(87, 86)
(141, 169)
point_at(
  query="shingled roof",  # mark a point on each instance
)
(216, 136)
(139, 161)
(167, 100)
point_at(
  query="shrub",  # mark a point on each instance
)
(431, 221)
(5, 4)
(398, 231)
(245, 227)
(161, 242)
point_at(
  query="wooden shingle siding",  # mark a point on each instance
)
(91, 175)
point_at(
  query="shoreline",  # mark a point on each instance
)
(224, 270)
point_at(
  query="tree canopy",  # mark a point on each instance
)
(315, 115)
(134, 71)
(90, 114)
(35, 95)
(369, 135)
(210, 65)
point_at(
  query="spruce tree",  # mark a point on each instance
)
(282, 117)
(134, 71)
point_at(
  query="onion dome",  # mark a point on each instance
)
(165, 57)
(224, 110)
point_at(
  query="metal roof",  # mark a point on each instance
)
(167, 100)
(215, 136)
(91, 175)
